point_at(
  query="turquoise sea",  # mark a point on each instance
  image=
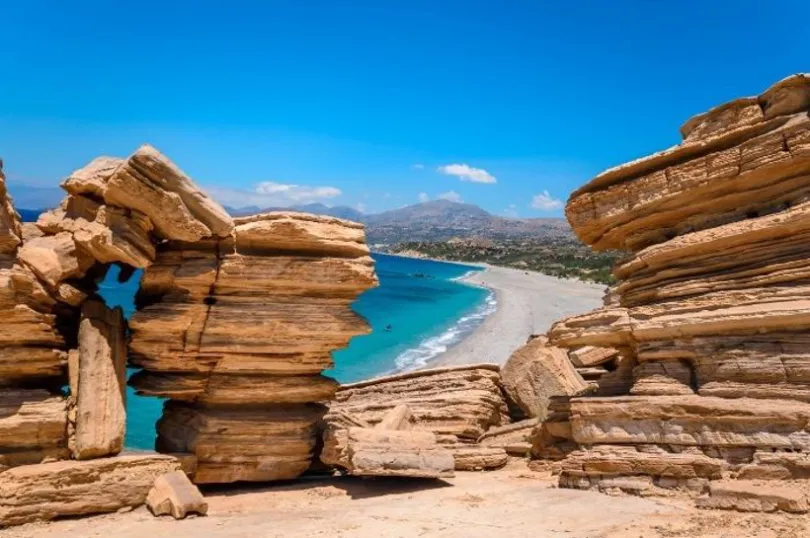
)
(418, 311)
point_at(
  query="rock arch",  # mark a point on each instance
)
(235, 321)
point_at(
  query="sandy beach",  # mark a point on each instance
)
(528, 303)
(512, 502)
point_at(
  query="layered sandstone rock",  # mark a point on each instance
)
(458, 404)
(391, 448)
(711, 306)
(536, 372)
(10, 228)
(173, 494)
(73, 488)
(239, 330)
(98, 386)
(236, 322)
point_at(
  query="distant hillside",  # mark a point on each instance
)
(564, 257)
(440, 220)
(437, 220)
(342, 212)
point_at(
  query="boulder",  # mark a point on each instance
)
(397, 453)
(536, 372)
(173, 494)
(463, 401)
(28, 493)
(100, 383)
(591, 356)
(392, 448)
(149, 183)
(33, 426)
(514, 438)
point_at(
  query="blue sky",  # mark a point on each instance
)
(377, 104)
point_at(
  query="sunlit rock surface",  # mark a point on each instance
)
(711, 309)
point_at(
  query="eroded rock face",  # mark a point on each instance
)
(458, 404)
(28, 493)
(245, 325)
(536, 372)
(173, 494)
(10, 228)
(711, 309)
(236, 322)
(99, 396)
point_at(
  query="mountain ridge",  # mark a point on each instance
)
(435, 220)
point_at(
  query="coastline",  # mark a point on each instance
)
(526, 303)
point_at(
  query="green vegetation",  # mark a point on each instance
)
(563, 257)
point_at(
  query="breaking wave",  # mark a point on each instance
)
(430, 348)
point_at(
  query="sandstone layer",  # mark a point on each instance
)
(710, 313)
(236, 321)
(236, 331)
(456, 404)
(536, 372)
(73, 488)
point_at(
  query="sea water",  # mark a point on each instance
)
(419, 310)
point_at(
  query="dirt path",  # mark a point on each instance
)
(510, 503)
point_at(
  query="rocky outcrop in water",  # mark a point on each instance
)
(711, 308)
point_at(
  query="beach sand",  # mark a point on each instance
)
(528, 303)
(509, 503)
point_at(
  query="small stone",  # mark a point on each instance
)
(174, 494)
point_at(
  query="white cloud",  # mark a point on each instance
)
(297, 193)
(361, 207)
(545, 202)
(417, 166)
(511, 211)
(450, 196)
(272, 194)
(466, 172)
(423, 197)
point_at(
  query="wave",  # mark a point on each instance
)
(430, 348)
(464, 277)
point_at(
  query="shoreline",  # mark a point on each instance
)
(527, 303)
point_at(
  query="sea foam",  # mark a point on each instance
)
(432, 347)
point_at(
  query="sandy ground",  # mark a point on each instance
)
(528, 303)
(513, 502)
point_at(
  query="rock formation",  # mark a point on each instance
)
(458, 404)
(710, 311)
(534, 373)
(391, 448)
(235, 331)
(173, 494)
(74, 488)
(236, 320)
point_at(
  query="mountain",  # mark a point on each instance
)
(436, 220)
(342, 212)
(440, 220)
